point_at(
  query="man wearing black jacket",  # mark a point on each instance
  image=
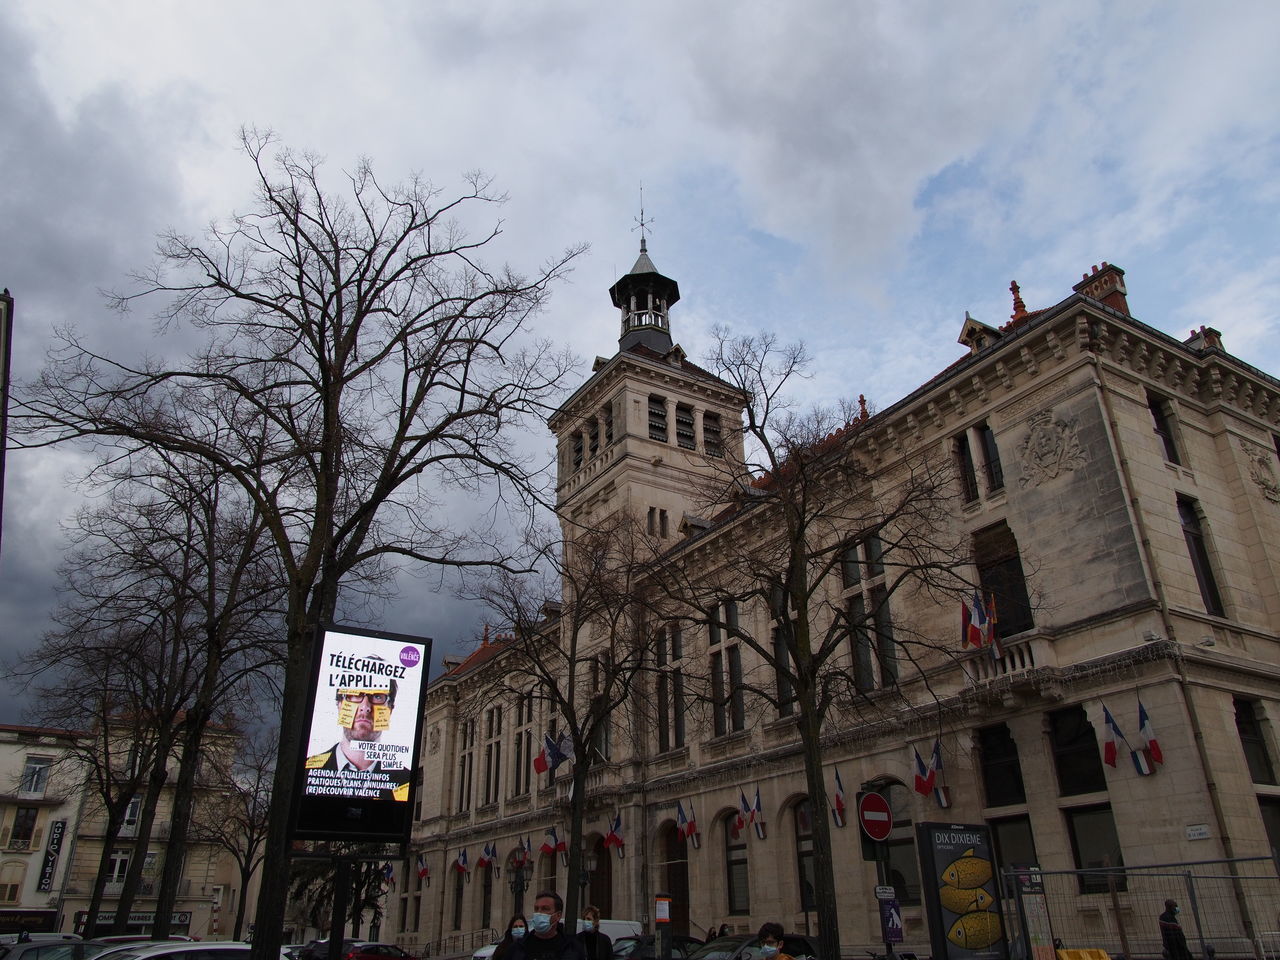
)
(546, 940)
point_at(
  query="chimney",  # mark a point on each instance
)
(1106, 284)
(1205, 338)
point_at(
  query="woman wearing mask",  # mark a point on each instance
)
(597, 944)
(771, 942)
(516, 929)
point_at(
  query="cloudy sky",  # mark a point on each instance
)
(852, 173)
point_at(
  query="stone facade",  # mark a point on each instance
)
(1127, 478)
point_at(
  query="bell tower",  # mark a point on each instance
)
(649, 432)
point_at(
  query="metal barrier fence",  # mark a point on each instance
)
(452, 944)
(1229, 909)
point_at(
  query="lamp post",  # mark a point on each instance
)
(584, 876)
(518, 880)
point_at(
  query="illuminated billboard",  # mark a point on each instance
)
(364, 725)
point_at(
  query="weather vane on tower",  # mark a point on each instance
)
(642, 224)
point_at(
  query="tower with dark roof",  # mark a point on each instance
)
(649, 431)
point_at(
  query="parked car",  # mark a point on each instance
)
(319, 949)
(645, 947)
(186, 950)
(377, 951)
(747, 947)
(46, 950)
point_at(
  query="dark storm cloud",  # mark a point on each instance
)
(82, 197)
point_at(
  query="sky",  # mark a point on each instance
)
(853, 174)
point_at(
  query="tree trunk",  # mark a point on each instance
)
(146, 819)
(572, 908)
(824, 879)
(183, 800)
(246, 875)
(114, 820)
(269, 918)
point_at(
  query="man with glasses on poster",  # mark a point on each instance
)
(360, 765)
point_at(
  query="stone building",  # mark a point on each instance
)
(1118, 491)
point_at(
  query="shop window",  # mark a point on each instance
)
(1095, 846)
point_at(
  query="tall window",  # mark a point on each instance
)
(995, 554)
(459, 881)
(729, 713)
(964, 467)
(1193, 533)
(712, 444)
(1001, 769)
(804, 853)
(117, 865)
(11, 876)
(1014, 843)
(35, 775)
(466, 763)
(1075, 752)
(657, 417)
(1254, 742)
(1162, 422)
(670, 657)
(492, 755)
(606, 414)
(522, 771)
(1095, 846)
(577, 450)
(24, 827)
(684, 426)
(873, 650)
(736, 876)
(486, 901)
(992, 470)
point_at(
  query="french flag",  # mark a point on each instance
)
(687, 826)
(461, 864)
(745, 816)
(1113, 739)
(940, 793)
(926, 777)
(423, 870)
(975, 625)
(838, 807)
(614, 837)
(1149, 742)
(757, 816)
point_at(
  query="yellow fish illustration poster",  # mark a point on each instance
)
(958, 881)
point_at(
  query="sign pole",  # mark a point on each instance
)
(338, 916)
(662, 924)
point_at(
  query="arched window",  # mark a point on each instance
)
(803, 812)
(735, 861)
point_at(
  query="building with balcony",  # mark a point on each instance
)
(1116, 491)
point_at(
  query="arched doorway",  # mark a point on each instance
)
(600, 885)
(673, 875)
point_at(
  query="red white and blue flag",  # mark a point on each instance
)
(975, 622)
(388, 874)
(614, 837)
(424, 872)
(488, 856)
(553, 753)
(553, 843)
(1114, 738)
(461, 863)
(1149, 742)
(838, 804)
(925, 778)
(687, 826)
(745, 815)
(757, 816)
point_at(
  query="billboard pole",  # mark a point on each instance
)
(338, 915)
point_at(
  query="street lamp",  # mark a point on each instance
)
(518, 878)
(584, 877)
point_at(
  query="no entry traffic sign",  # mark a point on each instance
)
(875, 816)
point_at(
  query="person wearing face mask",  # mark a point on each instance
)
(545, 939)
(1171, 935)
(517, 926)
(770, 937)
(597, 944)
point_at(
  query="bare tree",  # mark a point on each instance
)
(360, 364)
(234, 817)
(808, 507)
(578, 643)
